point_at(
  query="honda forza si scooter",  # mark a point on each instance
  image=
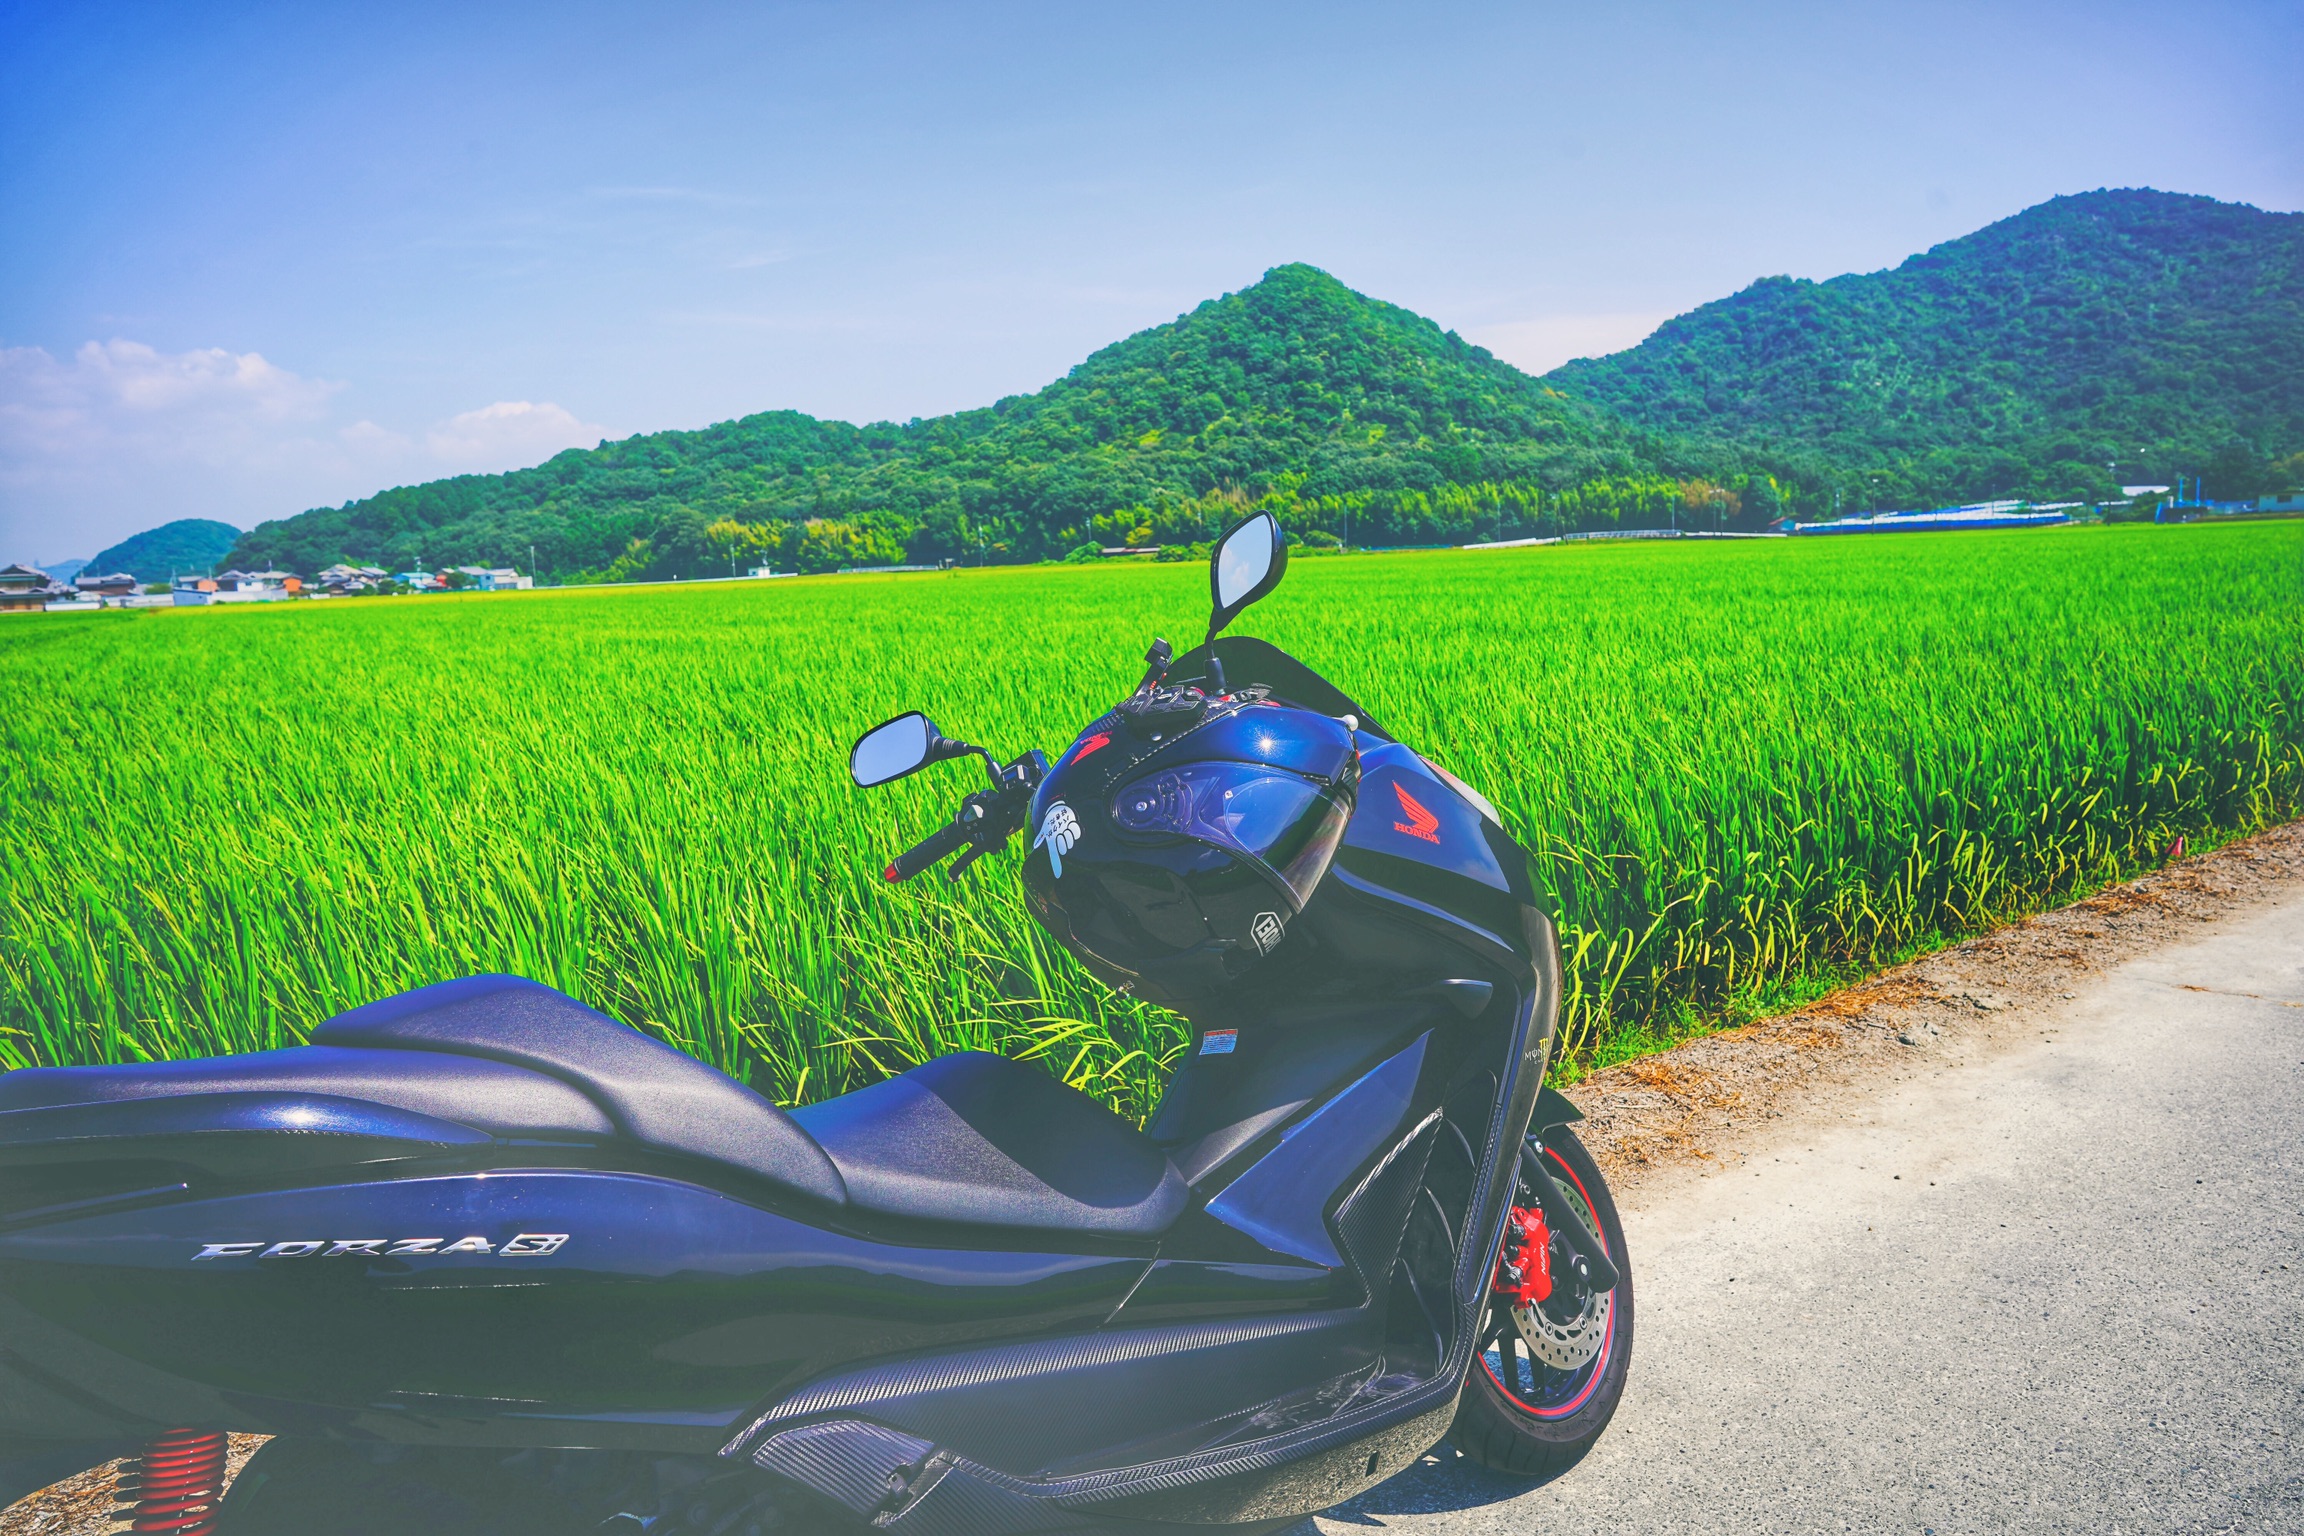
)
(484, 1260)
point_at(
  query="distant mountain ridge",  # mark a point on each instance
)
(1295, 381)
(2110, 335)
(2082, 342)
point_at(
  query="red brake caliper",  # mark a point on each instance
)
(1524, 1267)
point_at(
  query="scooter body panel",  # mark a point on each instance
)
(521, 1296)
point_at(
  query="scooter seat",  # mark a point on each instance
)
(652, 1093)
(974, 1138)
(981, 1140)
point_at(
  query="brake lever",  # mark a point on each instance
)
(994, 816)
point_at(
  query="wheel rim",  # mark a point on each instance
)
(1528, 1384)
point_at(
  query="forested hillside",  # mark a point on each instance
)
(2112, 336)
(1346, 410)
(2094, 340)
(188, 545)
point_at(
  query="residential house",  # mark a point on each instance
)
(257, 586)
(27, 589)
(105, 588)
(340, 578)
(2293, 501)
(498, 578)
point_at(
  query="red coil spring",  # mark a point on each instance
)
(174, 1487)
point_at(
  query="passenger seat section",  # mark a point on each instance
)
(654, 1094)
(490, 1096)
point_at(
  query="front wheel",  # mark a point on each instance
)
(1551, 1366)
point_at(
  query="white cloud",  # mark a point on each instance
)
(1544, 343)
(372, 441)
(120, 436)
(208, 404)
(507, 434)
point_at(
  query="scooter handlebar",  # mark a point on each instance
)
(929, 852)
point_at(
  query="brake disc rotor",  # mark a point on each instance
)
(1568, 1341)
(1563, 1337)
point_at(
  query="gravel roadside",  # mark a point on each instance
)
(1688, 1108)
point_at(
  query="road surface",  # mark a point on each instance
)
(2059, 1288)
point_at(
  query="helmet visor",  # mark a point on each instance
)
(1280, 819)
(1241, 806)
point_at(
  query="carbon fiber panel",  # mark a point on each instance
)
(1374, 1216)
(855, 1464)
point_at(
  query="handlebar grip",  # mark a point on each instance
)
(929, 852)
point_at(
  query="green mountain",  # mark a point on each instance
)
(2112, 336)
(2106, 338)
(1341, 406)
(186, 545)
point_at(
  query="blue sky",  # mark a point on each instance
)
(257, 259)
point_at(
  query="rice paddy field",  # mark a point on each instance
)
(1745, 769)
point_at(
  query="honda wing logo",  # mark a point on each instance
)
(1421, 822)
(528, 1245)
(1059, 830)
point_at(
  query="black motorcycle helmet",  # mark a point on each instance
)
(1177, 838)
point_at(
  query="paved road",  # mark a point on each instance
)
(2057, 1290)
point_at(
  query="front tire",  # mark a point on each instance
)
(1520, 1415)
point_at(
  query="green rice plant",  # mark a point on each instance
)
(1741, 767)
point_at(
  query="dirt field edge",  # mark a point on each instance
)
(1699, 1102)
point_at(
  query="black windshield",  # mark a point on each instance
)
(1249, 661)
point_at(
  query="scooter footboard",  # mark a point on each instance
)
(1119, 1397)
(902, 1482)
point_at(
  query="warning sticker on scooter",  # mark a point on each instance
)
(1219, 1042)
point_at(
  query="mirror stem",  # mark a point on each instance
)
(1215, 668)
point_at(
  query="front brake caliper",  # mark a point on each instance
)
(1524, 1267)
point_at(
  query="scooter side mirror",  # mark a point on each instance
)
(897, 747)
(1248, 563)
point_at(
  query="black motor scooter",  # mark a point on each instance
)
(482, 1259)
